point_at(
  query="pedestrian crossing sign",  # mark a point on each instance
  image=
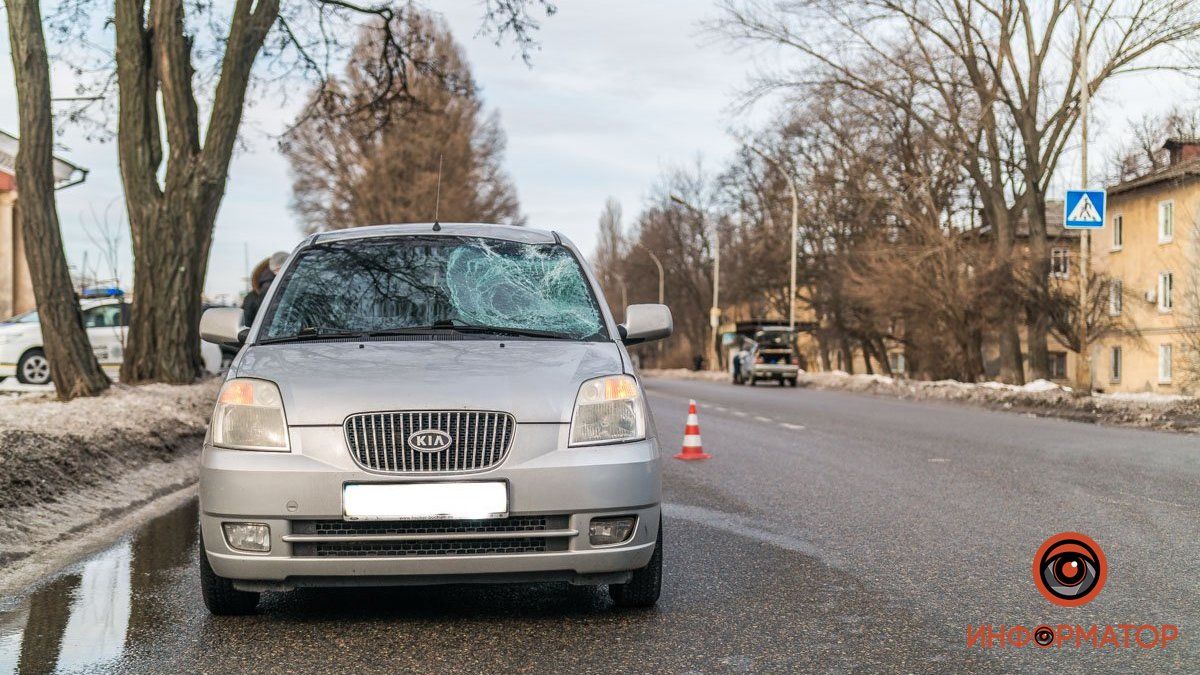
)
(1084, 209)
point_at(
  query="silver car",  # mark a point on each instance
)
(428, 404)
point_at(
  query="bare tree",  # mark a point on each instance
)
(73, 366)
(184, 72)
(357, 164)
(610, 245)
(1142, 152)
(994, 78)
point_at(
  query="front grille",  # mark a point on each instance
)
(334, 528)
(431, 537)
(361, 549)
(478, 440)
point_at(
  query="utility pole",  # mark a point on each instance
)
(1083, 375)
(795, 227)
(714, 313)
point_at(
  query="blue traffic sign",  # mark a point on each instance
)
(1084, 209)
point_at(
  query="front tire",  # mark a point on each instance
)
(33, 368)
(221, 598)
(644, 588)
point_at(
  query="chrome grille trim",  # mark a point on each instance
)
(479, 440)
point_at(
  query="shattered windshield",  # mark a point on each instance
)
(396, 283)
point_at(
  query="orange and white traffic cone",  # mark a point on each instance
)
(692, 448)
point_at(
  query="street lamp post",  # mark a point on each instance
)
(661, 276)
(715, 310)
(662, 286)
(795, 227)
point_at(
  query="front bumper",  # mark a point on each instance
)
(544, 477)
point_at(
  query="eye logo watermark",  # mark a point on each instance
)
(1069, 569)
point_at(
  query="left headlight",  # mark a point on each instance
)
(608, 410)
(249, 416)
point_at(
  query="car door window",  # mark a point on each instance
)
(104, 316)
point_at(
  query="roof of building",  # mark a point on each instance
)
(64, 171)
(1179, 171)
(1054, 224)
(522, 234)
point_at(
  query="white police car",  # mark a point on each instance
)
(106, 321)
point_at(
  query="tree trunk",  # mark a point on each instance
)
(73, 365)
(881, 351)
(845, 354)
(1038, 323)
(164, 337)
(172, 222)
(1009, 337)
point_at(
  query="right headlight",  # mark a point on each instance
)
(249, 416)
(608, 410)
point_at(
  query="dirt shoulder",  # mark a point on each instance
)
(69, 468)
(1042, 398)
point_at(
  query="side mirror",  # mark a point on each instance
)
(644, 323)
(223, 326)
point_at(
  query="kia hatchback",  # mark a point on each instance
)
(429, 404)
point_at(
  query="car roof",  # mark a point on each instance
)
(96, 302)
(518, 233)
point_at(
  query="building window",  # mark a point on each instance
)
(1116, 290)
(1164, 364)
(1058, 365)
(1118, 232)
(1166, 290)
(1060, 263)
(896, 362)
(1166, 221)
(1114, 365)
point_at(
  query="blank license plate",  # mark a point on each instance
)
(424, 501)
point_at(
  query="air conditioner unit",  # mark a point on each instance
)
(1151, 295)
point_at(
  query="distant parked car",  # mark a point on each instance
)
(106, 322)
(769, 355)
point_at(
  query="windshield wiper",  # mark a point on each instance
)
(477, 329)
(309, 333)
(508, 330)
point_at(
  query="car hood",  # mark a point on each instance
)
(535, 380)
(19, 329)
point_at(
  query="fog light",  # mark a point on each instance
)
(607, 531)
(254, 537)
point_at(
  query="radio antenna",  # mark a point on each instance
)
(437, 202)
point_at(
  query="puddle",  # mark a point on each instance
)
(82, 618)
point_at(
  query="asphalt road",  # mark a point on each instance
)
(830, 532)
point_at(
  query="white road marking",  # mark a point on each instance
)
(739, 413)
(760, 418)
(789, 425)
(938, 460)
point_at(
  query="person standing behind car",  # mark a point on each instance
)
(262, 276)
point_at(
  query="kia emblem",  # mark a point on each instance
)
(429, 440)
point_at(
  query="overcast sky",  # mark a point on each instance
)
(619, 91)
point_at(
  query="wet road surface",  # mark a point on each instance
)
(831, 532)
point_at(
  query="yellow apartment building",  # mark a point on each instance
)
(1149, 245)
